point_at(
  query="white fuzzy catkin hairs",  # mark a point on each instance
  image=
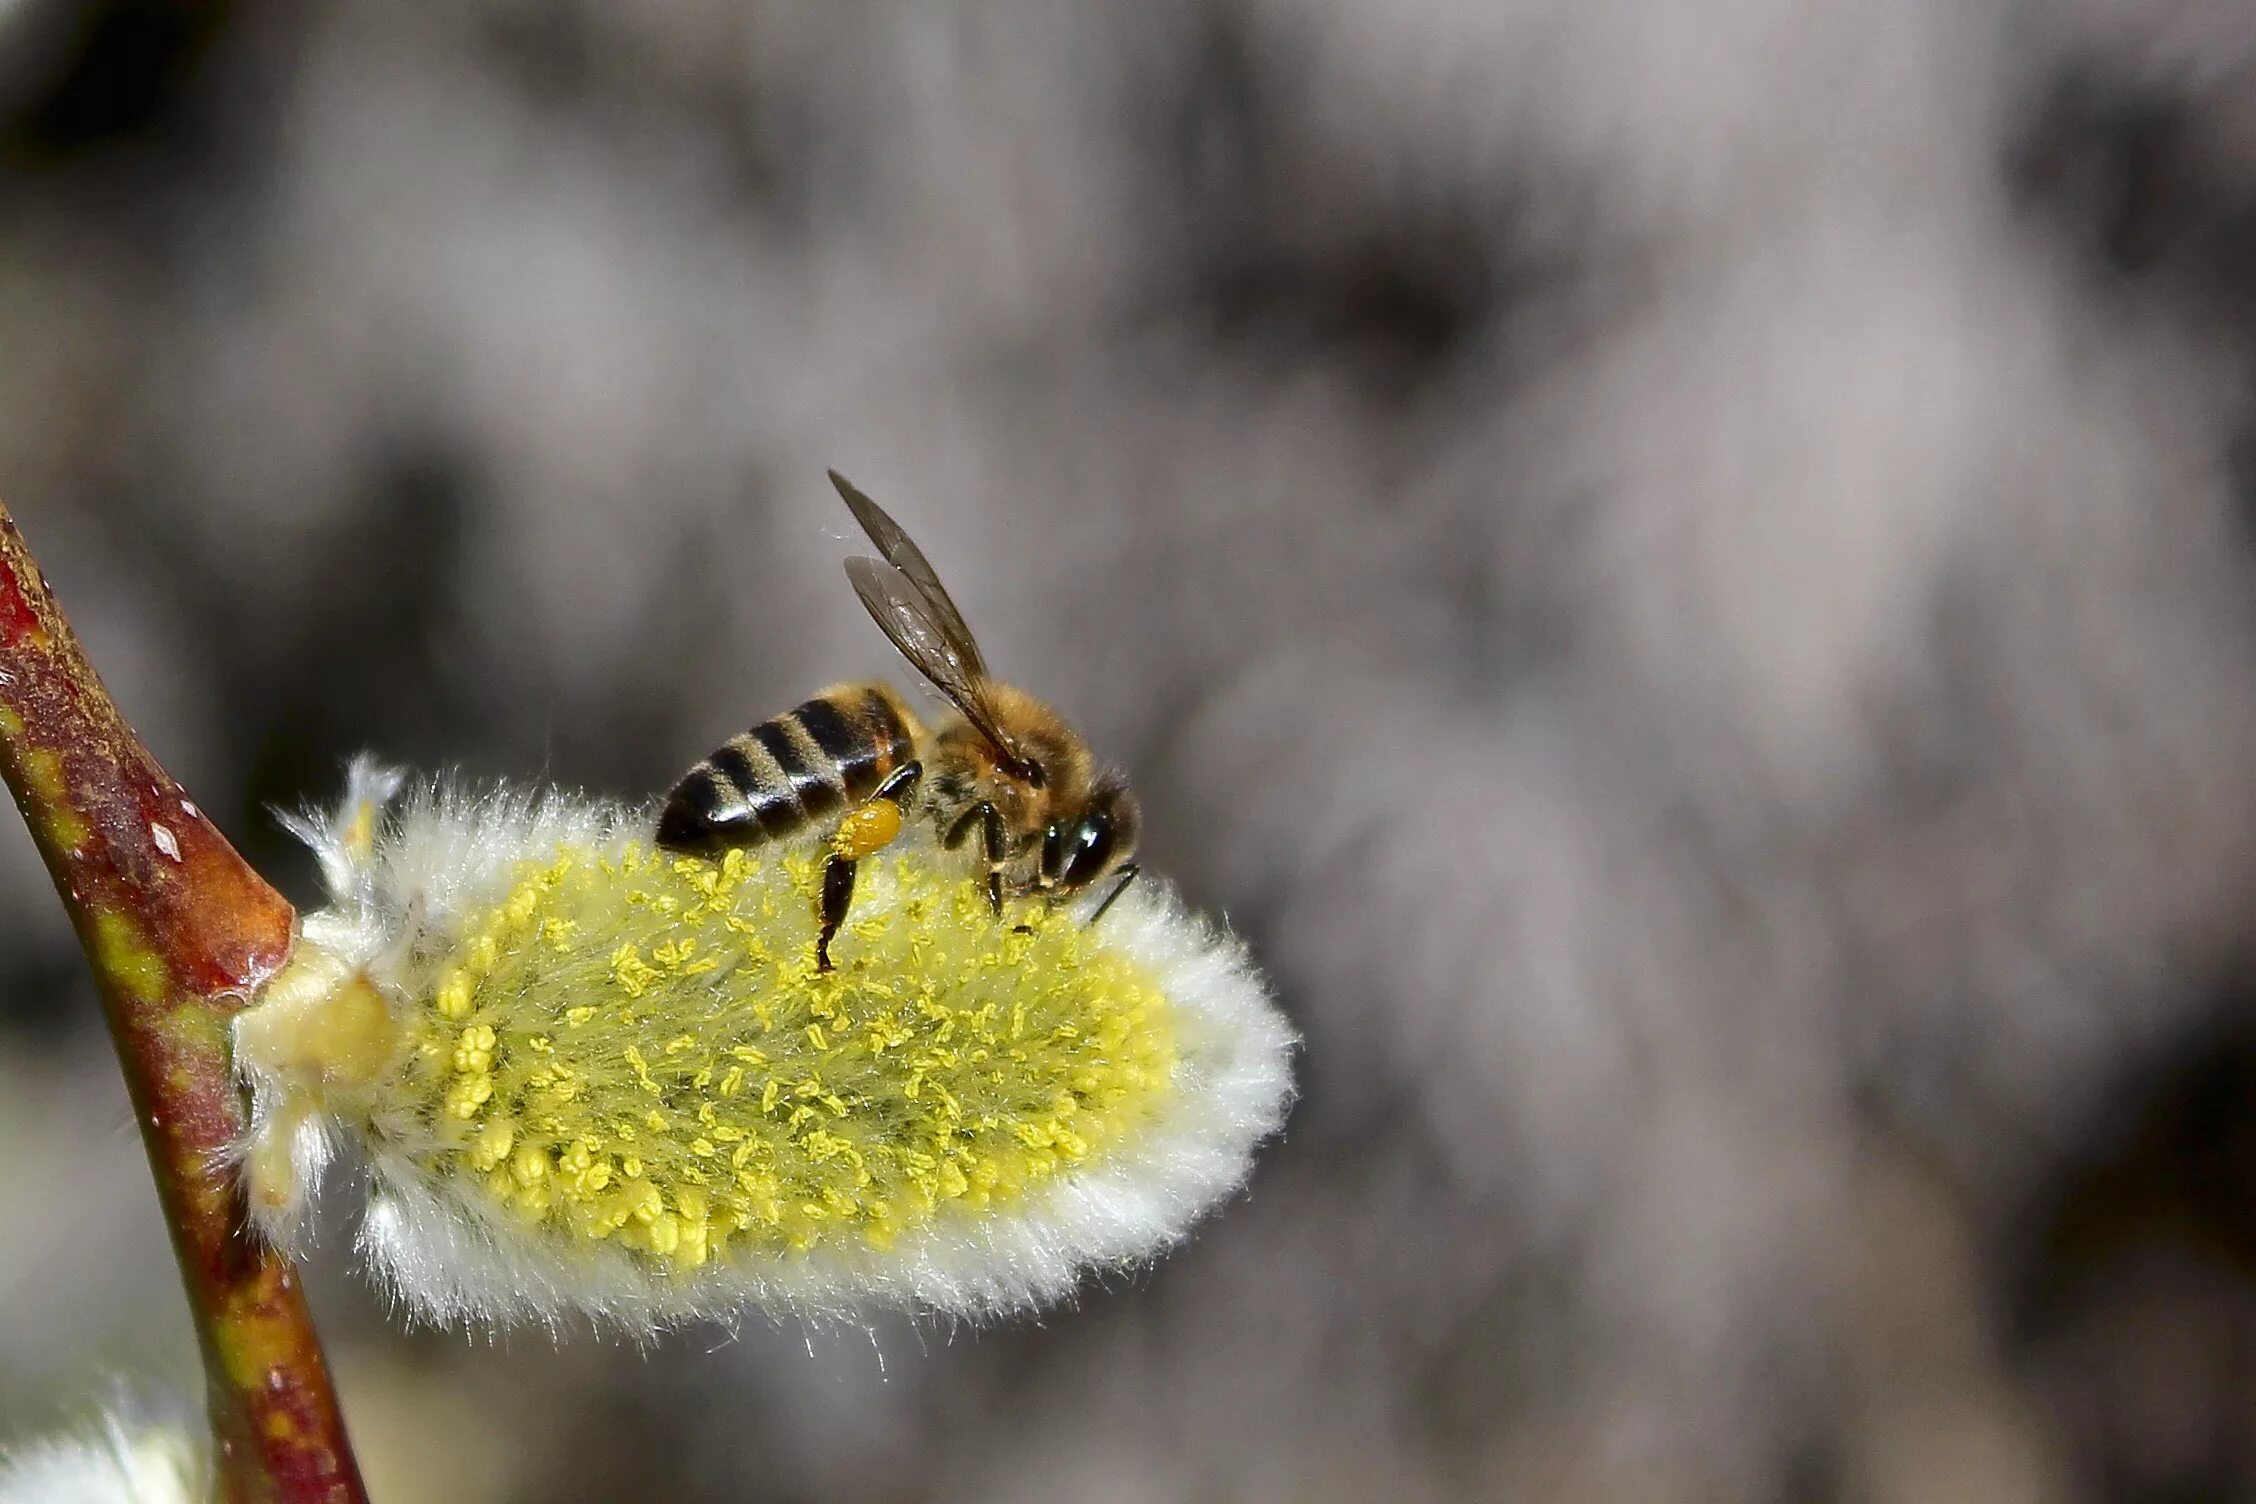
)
(124, 1458)
(588, 1077)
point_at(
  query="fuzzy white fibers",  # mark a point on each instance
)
(123, 1459)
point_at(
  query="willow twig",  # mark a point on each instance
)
(180, 932)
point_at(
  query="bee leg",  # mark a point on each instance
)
(837, 896)
(1128, 871)
(900, 785)
(998, 853)
(960, 832)
(867, 828)
(994, 840)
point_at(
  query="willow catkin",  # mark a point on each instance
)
(588, 1076)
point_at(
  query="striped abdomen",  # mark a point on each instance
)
(787, 774)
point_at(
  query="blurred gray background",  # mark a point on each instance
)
(1683, 571)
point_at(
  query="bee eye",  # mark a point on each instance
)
(1090, 848)
(1035, 776)
(1053, 851)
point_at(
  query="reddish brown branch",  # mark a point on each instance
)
(180, 931)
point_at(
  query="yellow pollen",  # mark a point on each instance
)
(867, 829)
(633, 1048)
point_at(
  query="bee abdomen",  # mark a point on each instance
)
(787, 773)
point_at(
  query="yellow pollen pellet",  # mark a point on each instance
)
(868, 828)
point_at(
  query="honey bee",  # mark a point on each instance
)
(1005, 767)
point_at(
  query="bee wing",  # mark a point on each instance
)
(905, 614)
(897, 549)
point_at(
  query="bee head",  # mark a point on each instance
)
(1076, 852)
